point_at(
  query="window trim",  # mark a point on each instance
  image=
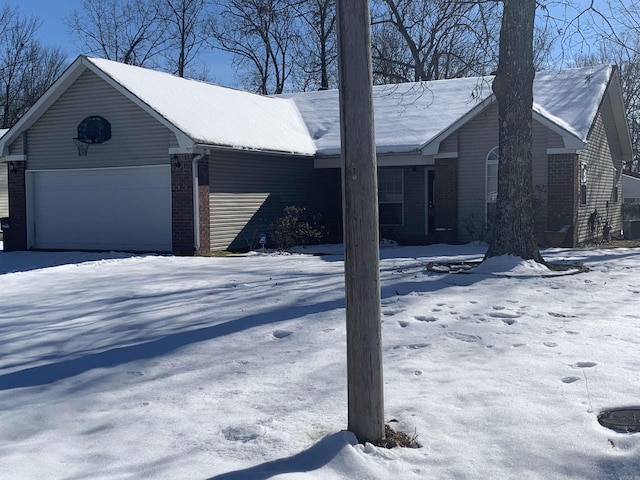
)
(380, 202)
(583, 183)
(492, 158)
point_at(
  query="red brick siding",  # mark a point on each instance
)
(203, 200)
(16, 238)
(182, 205)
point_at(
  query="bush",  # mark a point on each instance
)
(297, 228)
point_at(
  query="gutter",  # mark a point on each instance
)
(196, 202)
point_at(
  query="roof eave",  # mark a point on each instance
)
(185, 142)
(208, 147)
(52, 94)
(432, 146)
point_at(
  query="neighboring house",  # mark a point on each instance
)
(631, 187)
(124, 158)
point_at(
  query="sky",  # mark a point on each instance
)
(53, 32)
(117, 366)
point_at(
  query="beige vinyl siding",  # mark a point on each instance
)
(4, 194)
(450, 144)
(603, 158)
(248, 194)
(137, 138)
(17, 146)
(477, 139)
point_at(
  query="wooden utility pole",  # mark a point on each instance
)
(360, 214)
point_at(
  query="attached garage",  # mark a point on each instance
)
(117, 157)
(125, 208)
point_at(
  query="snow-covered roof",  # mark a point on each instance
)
(410, 116)
(571, 98)
(214, 115)
(407, 115)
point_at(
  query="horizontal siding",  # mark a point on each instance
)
(248, 193)
(477, 139)
(602, 156)
(137, 138)
(17, 146)
(4, 194)
(450, 144)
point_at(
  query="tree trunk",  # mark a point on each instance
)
(514, 232)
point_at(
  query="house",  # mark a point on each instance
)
(631, 187)
(124, 158)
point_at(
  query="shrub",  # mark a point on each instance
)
(296, 227)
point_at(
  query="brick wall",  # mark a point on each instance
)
(203, 199)
(562, 194)
(16, 237)
(182, 205)
(446, 194)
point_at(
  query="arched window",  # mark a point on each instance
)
(491, 184)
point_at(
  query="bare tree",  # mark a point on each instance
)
(417, 40)
(27, 68)
(260, 35)
(316, 52)
(128, 31)
(513, 87)
(185, 20)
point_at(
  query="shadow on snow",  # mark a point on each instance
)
(62, 369)
(314, 458)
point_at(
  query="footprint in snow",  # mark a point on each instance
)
(504, 315)
(550, 344)
(417, 346)
(464, 337)
(403, 324)
(584, 364)
(422, 318)
(413, 346)
(243, 433)
(508, 321)
(570, 379)
(280, 334)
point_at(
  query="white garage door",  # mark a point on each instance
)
(126, 209)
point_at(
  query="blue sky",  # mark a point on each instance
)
(53, 32)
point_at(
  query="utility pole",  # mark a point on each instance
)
(360, 219)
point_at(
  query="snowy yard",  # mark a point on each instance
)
(233, 368)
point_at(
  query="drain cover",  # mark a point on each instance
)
(625, 420)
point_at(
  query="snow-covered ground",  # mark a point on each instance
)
(233, 368)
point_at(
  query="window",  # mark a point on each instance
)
(391, 196)
(583, 183)
(491, 184)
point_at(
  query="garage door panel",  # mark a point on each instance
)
(102, 209)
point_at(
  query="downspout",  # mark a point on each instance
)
(196, 202)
